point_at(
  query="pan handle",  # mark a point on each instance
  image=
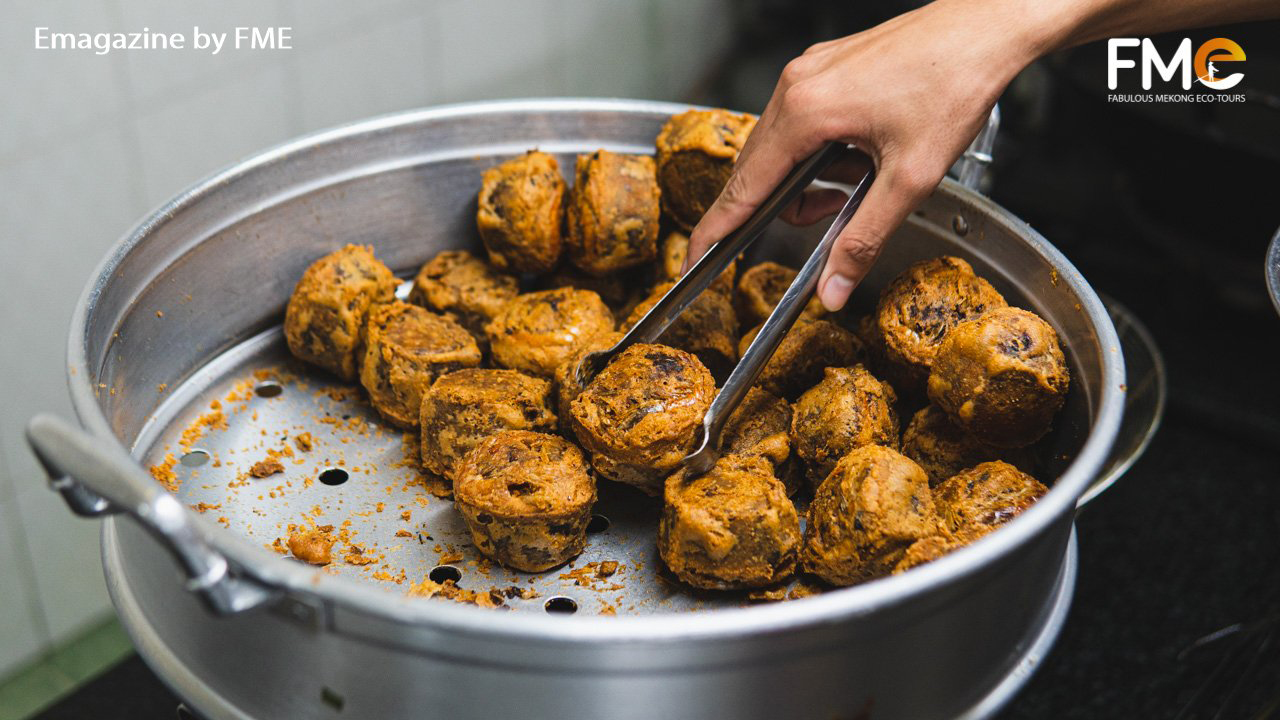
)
(97, 478)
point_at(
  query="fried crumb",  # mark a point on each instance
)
(303, 441)
(203, 507)
(266, 468)
(164, 474)
(313, 546)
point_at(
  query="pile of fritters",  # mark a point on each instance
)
(480, 361)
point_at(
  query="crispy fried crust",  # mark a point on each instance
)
(731, 528)
(406, 348)
(328, 306)
(462, 408)
(459, 285)
(707, 328)
(526, 497)
(865, 515)
(520, 213)
(1001, 377)
(982, 498)
(613, 213)
(943, 449)
(538, 331)
(760, 289)
(808, 348)
(848, 409)
(696, 153)
(920, 307)
(675, 248)
(639, 417)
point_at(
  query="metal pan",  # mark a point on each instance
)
(186, 307)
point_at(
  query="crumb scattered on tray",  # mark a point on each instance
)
(266, 468)
(314, 546)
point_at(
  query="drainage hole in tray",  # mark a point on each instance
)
(334, 476)
(561, 604)
(268, 389)
(194, 458)
(597, 524)
(442, 573)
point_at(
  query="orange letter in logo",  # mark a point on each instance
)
(1206, 73)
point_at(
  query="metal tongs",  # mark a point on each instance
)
(709, 267)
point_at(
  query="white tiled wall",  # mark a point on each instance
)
(89, 143)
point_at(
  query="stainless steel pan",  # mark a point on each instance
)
(187, 305)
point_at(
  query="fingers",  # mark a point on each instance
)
(756, 174)
(887, 204)
(819, 203)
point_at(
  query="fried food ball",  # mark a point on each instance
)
(848, 409)
(521, 209)
(707, 328)
(538, 331)
(640, 416)
(920, 307)
(406, 348)
(943, 449)
(865, 515)
(761, 425)
(464, 407)
(671, 259)
(461, 286)
(762, 286)
(924, 550)
(526, 498)
(328, 306)
(614, 290)
(730, 528)
(613, 213)
(1001, 377)
(982, 498)
(808, 348)
(696, 152)
(567, 383)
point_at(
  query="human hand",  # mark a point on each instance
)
(911, 93)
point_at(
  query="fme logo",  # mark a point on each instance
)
(1202, 68)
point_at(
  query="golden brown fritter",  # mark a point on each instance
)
(696, 152)
(567, 386)
(461, 286)
(406, 348)
(616, 290)
(1001, 377)
(521, 209)
(865, 515)
(920, 306)
(327, 308)
(943, 449)
(806, 350)
(613, 213)
(538, 331)
(848, 409)
(707, 328)
(641, 415)
(731, 528)
(760, 289)
(464, 407)
(526, 497)
(982, 498)
(671, 259)
(761, 425)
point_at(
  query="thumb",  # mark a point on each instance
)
(890, 199)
